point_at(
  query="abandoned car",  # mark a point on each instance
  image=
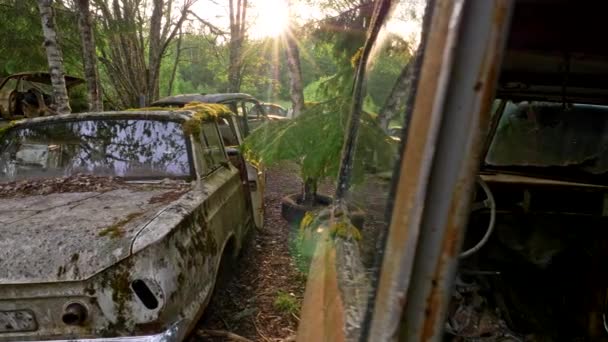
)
(244, 105)
(116, 224)
(29, 94)
(271, 109)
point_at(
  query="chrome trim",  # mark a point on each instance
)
(175, 333)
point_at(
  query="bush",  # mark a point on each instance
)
(314, 141)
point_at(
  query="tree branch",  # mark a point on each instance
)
(214, 29)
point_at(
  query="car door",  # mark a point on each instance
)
(405, 292)
(254, 175)
(227, 211)
(255, 113)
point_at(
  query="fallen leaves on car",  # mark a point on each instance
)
(75, 183)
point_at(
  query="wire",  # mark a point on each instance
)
(490, 229)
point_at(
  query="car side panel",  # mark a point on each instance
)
(221, 216)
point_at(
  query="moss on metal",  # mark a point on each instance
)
(339, 225)
(119, 282)
(203, 112)
(4, 129)
(115, 230)
(345, 229)
(356, 58)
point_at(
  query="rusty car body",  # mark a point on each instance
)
(499, 205)
(16, 89)
(271, 109)
(249, 109)
(113, 225)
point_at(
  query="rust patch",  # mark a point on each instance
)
(115, 230)
(323, 313)
(167, 197)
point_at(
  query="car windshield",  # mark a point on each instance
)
(43, 87)
(133, 149)
(541, 134)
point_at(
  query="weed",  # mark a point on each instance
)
(286, 303)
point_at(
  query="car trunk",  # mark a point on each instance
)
(71, 236)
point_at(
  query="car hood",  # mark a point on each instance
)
(73, 236)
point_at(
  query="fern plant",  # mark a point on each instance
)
(314, 139)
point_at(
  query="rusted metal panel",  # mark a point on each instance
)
(463, 52)
(322, 316)
(417, 156)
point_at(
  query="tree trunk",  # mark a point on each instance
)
(135, 45)
(91, 72)
(395, 100)
(295, 70)
(238, 17)
(154, 54)
(309, 195)
(54, 56)
(178, 52)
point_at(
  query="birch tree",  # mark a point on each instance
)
(396, 99)
(89, 55)
(54, 56)
(238, 30)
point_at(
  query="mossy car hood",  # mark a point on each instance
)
(72, 236)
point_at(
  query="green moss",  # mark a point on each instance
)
(115, 230)
(354, 61)
(4, 129)
(120, 284)
(344, 229)
(192, 127)
(203, 112)
(307, 220)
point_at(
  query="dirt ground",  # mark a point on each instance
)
(265, 271)
(247, 305)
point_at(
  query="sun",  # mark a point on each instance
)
(271, 18)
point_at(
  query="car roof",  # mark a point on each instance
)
(170, 115)
(43, 77)
(570, 65)
(183, 99)
(270, 104)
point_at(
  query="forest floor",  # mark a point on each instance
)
(262, 299)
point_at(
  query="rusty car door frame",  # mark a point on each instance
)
(440, 159)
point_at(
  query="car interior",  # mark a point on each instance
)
(532, 266)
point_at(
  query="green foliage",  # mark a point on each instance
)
(391, 55)
(314, 141)
(286, 303)
(21, 38)
(78, 99)
(203, 68)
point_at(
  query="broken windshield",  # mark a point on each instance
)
(552, 135)
(134, 149)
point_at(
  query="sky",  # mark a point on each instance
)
(269, 18)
